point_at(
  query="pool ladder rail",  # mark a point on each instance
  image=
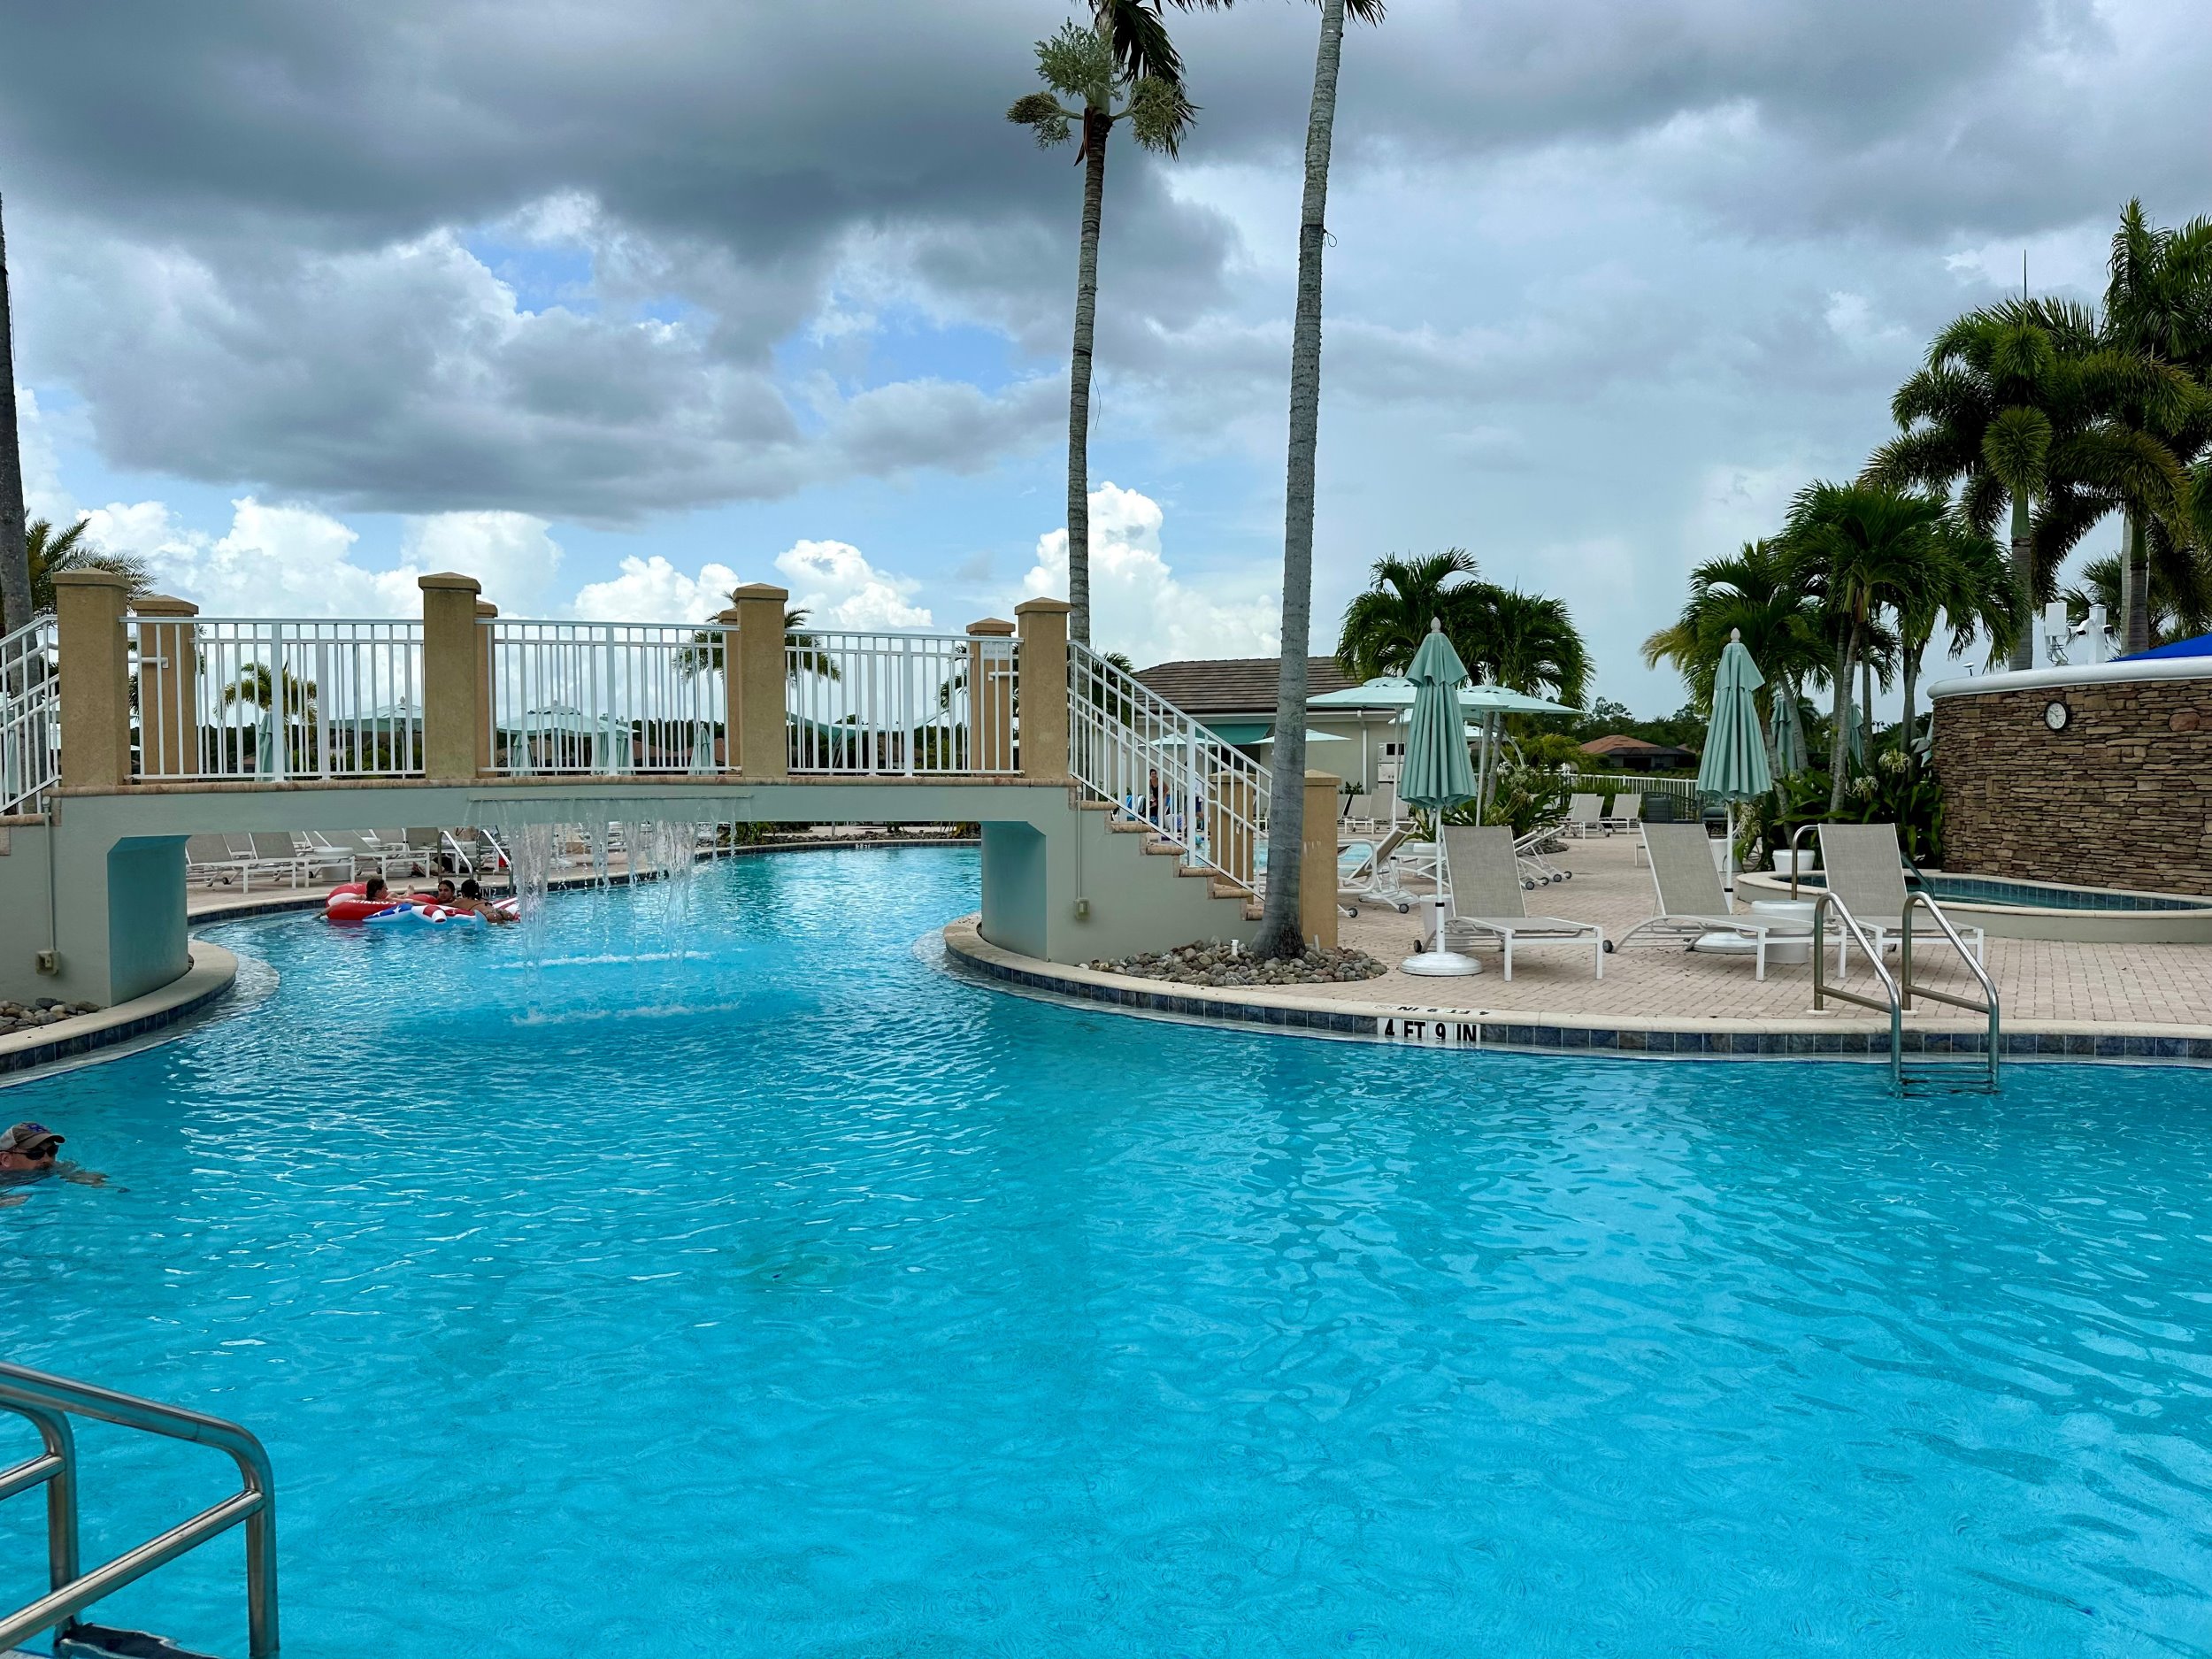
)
(49, 1403)
(1898, 990)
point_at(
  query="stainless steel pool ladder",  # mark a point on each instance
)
(49, 1403)
(1899, 991)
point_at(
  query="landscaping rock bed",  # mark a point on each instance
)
(46, 1011)
(1217, 964)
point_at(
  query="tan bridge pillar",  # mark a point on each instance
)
(1317, 868)
(96, 698)
(452, 657)
(485, 755)
(1044, 689)
(168, 687)
(1233, 809)
(991, 696)
(755, 675)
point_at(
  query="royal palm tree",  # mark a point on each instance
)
(2158, 305)
(1753, 594)
(1123, 67)
(1279, 934)
(15, 608)
(1860, 546)
(1528, 642)
(51, 551)
(1385, 625)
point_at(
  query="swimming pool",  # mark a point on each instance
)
(782, 1296)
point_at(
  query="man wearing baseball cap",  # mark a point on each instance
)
(28, 1147)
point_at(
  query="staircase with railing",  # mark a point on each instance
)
(1134, 752)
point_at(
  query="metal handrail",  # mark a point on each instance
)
(48, 1401)
(1894, 1008)
(1797, 837)
(1988, 1005)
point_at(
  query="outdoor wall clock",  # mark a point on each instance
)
(2055, 714)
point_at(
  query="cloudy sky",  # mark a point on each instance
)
(614, 306)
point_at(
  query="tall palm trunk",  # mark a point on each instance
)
(1866, 707)
(2135, 587)
(1279, 934)
(1838, 730)
(1910, 671)
(2023, 578)
(15, 553)
(1097, 126)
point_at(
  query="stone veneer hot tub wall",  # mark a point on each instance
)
(2120, 798)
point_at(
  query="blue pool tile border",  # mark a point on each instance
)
(76, 1045)
(1488, 1032)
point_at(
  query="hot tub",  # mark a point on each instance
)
(2007, 908)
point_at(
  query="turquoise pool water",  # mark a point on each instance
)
(788, 1297)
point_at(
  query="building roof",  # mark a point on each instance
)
(1617, 745)
(1235, 685)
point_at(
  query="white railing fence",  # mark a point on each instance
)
(606, 697)
(1128, 745)
(900, 704)
(275, 698)
(30, 717)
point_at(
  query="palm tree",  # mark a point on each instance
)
(1861, 547)
(1279, 934)
(1126, 55)
(2033, 402)
(2175, 611)
(1968, 583)
(807, 655)
(1754, 594)
(50, 552)
(15, 608)
(1385, 625)
(1528, 642)
(2158, 305)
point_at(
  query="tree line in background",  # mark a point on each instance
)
(2040, 417)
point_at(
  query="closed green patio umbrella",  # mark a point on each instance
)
(1734, 767)
(1436, 773)
(1789, 732)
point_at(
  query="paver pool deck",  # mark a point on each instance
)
(2117, 1000)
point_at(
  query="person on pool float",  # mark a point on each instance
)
(472, 900)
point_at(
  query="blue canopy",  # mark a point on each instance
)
(2200, 645)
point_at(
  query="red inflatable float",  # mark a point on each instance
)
(347, 902)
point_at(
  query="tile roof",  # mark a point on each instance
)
(1235, 685)
(1630, 746)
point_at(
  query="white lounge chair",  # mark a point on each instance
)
(1374, 880)
(1585, 815)
(1486, 901)
(1691, 900)
(1626, 813)
(1861, 865)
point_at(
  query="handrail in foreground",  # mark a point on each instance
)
(1988, 1005)
(48, 1401)
(1822, 990)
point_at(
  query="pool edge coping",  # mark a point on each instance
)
(212, 976)
(1548, 1031)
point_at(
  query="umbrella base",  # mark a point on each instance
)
(1440, 964)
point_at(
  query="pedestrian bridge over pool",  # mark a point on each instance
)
(1110, 821)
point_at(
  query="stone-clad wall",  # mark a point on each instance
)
(2120, 798)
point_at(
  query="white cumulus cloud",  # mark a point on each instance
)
(835, 584)
(1139, 606)
(654, 590)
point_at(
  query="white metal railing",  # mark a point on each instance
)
(1128, 745)
(275, 698)
(606, 697)
(900, 706)
(30, 717)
